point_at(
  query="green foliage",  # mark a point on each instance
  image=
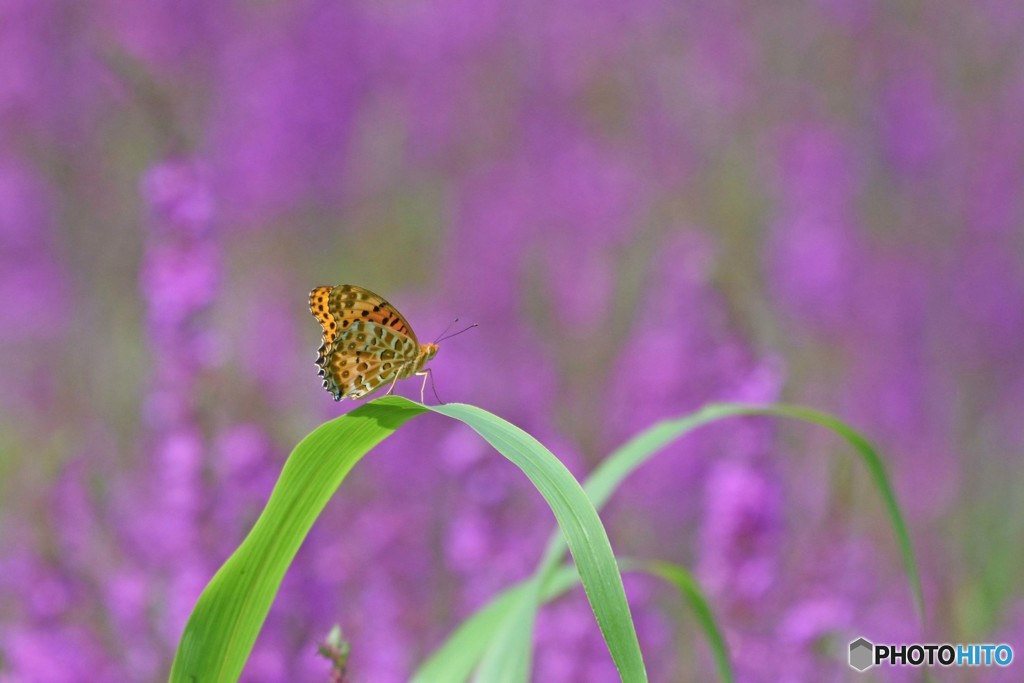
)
(496, 642)
(691, 591)
(230, 612)
(228, 615)
(456, 653)
(460, 654)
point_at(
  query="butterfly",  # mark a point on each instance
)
(367, 343)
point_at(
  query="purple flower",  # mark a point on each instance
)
(916, 122)
(179, 197)
(31, 280)
(51, 81)
(741, 532)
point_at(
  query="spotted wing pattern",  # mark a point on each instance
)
(319, 307)
(366, 356)
(349, 304)
(366, 341)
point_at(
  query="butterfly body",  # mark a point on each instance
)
(367, 344)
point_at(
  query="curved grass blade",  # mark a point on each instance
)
(228, 615)
(456, 659)
(607, 477)
(876, 469)
(502, 660)
(690, 589)
(583, 532)
(463, 649)
(230, 612)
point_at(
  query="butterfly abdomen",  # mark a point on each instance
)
(413, 366)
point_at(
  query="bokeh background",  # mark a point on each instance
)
(646, 206)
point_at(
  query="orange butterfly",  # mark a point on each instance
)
(367, 343)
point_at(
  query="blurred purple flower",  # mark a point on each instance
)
(815, 245)
(32, 283)
(741, 533)
(562, 142)
(270, 151)
(814, 259)
(169, 35)
(987, 297)
(180, 199)
(51, 81)
(57, 654)
(915, 121)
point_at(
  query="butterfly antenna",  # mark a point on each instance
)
(455, 334)
(445, 330)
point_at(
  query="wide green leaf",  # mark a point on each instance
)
(232, 608)
(583, 532)
(610, 474)
(230, 612)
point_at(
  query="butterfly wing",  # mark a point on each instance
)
(349, 304)
(319, 306)
(366, 356)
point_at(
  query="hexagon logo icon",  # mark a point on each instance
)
(862, 654)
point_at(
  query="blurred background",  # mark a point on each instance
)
(646, 206)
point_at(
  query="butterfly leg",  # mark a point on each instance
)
(429, 373)
(393, 383)
(423, 387)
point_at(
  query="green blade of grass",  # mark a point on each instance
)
(230, 612)
(607, 477)
(461, 652)
(610, 474)
(690, 589)
(876, 470)
(503, 660)
(584, 534)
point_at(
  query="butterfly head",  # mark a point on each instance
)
(429, 350)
